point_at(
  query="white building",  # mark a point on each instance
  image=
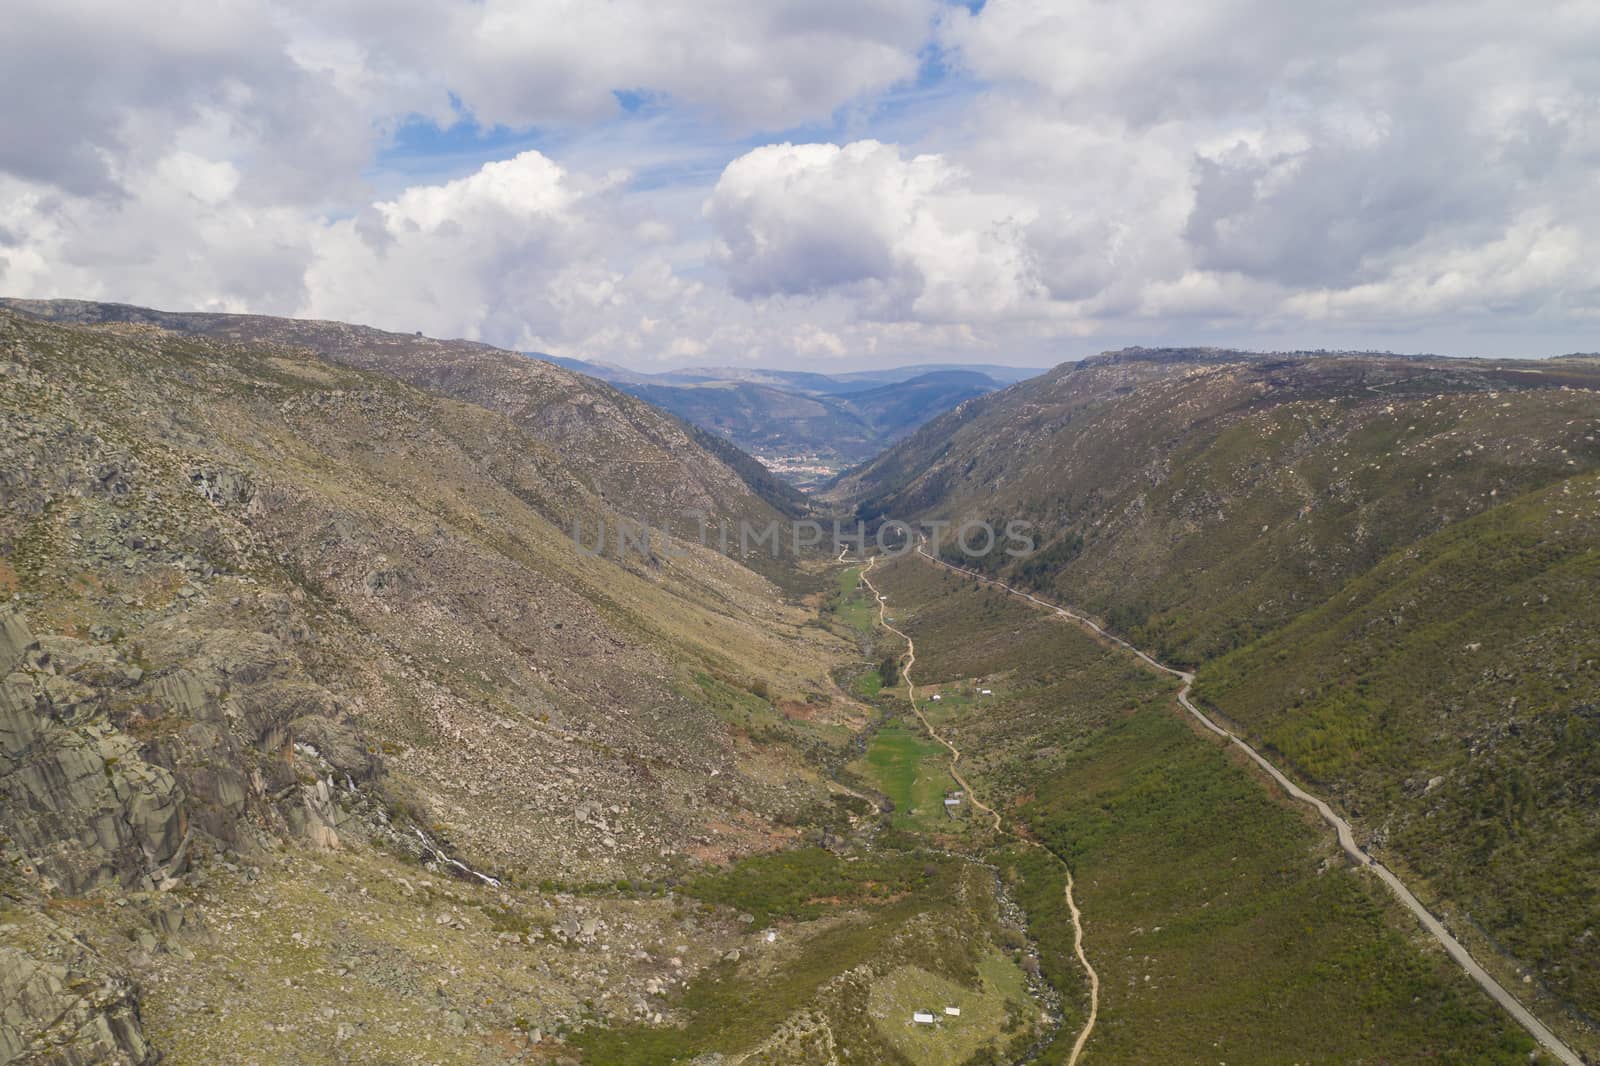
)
(954, 1012)
(922, 1017)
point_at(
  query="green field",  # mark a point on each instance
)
(851, 604)
(856, 939)
(868, 684)
(907, 766)
(990, 1009)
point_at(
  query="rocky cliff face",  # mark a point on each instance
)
(78, 809)
(81, 807)
(112, 777)
(60, 1010)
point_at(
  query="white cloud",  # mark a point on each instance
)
(175, 237)
(906, 236)
(1366, 163)
(1147, 170)
(762, 64)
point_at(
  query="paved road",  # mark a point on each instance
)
(999, 824)
(1347, 840)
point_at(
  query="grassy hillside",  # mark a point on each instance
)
(1222, 921)
(1199, 501)
(1383, 569)
(1452, 693)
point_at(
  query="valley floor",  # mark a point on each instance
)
(1342, 830)
(1224, 922)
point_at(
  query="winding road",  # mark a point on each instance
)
(1347, 841)
(999, 824)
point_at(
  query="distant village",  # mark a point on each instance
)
(803, 471)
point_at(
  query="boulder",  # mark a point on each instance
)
(16, 640)
(53, 1012)
(79, 801)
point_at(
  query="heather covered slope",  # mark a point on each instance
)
(1384, 569)
(1200, 498)
(1452, 697)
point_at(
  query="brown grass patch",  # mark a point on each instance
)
(798, 710)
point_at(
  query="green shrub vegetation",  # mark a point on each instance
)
(1218, 915)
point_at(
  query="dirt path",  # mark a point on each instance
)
(1347, 841)
(999, 824)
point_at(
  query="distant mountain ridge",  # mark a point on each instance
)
(804, 381)
(806, 425)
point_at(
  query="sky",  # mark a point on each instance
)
(820, 184)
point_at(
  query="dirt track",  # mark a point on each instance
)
(999, 824)
(1498, 992)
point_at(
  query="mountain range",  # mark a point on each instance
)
(334, 728)
(807, 426)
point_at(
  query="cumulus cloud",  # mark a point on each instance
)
(97, 92)
(1140, 171)
(174, 236)
(1335, 156)
(302, 89)
(523, 63)
(468, 257)
(906, 235)
(765, 65)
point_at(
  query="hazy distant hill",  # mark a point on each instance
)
(836, 419)
(772, 422)
(802, 381)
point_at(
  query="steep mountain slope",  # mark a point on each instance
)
(264, 605)
(1383, 567)
(1201, 498)
(623, 450)
(1452, 696)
